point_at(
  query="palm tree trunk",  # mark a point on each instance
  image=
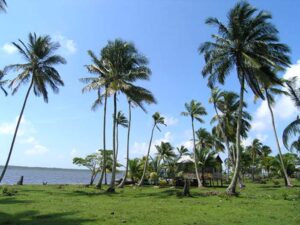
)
(286, 178)
(195, 155)
(127, 152)
(232, 187)
(113, 173)
(16, 131)
(104, 143)
(146, 162)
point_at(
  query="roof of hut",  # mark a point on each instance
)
(185, 159)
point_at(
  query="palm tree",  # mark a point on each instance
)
(254, 149)
(121, 120)
(227, 103)
(98, 83)
(124, 66)
(157, 120)
(270, 91)
(206, 159)
(38, 70)
(294, 127)
(204, 140)
(195, 110)
(249, 42)
(136, 97)
(165, 153)
(3, 82)
(135, 169)
(182, 150)
(3, 5)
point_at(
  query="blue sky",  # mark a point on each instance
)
(168, 32)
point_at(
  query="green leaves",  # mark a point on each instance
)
(39, 67)
(195, 110)
(250, 43)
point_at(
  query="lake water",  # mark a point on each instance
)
(34, 175)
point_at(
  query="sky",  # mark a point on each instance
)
(167, 32)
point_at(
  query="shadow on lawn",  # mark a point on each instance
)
(34, 218)
(174, 192)
(90, 193)
(5, 201)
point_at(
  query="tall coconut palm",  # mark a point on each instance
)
(157, 120)
(121, 120)
(248, 42)
(227, 104)
(124, 66)
(294, 127)
(271, 90)
(38, 70)
(3, 5)
(99, 83)
(215, 99)
(254, 149)
(195, 111)
(3, 82)
(136, 97)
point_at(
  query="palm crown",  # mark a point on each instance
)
(40, 59)
(248, 42)
(195, 110)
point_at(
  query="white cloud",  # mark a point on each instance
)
(140, 148)
(68, 45)
(37, 150)
(8, 128)
(74, 153)
(170, 121)
(9, 48)
(26, 136)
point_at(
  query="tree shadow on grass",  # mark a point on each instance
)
(90, 193)
(174, 192)
(5, 201)
(35, 218)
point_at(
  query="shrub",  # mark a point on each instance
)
(153, 177)
(163, 183)
(276, 182)
(8, 191)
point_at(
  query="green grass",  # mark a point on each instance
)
(78, 205)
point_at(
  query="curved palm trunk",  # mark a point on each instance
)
(195, 156)
(127, 152)
(113, 173)
(232, 187)
(286, 178)
(104, 144)
(16, 132)
(146, 162)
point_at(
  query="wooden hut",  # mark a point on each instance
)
(210, 175)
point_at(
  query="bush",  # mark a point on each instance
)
(163, 183)
(153, 177)
(276, 182)
(8, 191)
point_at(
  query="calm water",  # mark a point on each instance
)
(50, 175)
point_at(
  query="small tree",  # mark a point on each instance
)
(92, 162)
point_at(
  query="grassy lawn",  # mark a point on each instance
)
(79, 205)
